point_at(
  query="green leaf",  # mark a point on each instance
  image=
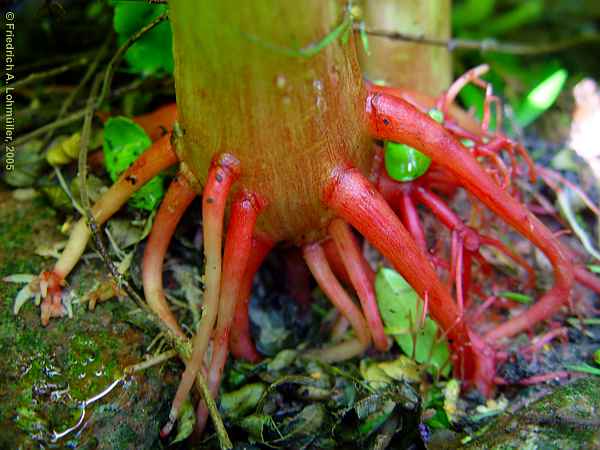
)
(436, 115)
(516, 297)
(471, 12)
(255, 425)
(153, 52)
(439, 420)
(124, 142)
(404, 163)
(239, 403)
(398, 306)
(594, 268)
(185, 423)
(376, 419)
(541, 97)
(522, 14)
(306, 423)
(585, 368)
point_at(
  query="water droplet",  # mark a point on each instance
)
(280, 81)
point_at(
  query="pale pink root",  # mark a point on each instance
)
(362, 280)
(317, 263)
(354, 199)
(400, 197)
(336, 263)
(551, 376)
(223, 172)
(501, 247)
(154, 160)
(410, 219)
(240, 340)
(540, 341)
(471, 76)
(176, 201)
(238, 245)
(394, 119)
(583, 276)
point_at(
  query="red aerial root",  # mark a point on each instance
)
(316, 260)
(240, 340)
(223, 172)
(354, 199)
(394, 119)
(238, 245)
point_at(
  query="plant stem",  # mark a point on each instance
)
(48, 73)
(487, 45)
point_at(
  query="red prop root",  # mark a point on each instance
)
(361, 277)
(393, 119)
(240, 340)
(223, 172)
(316, 260)
(238, 245)
(354, 199)
(332, 252)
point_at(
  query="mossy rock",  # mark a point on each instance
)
(45, 373)
(569, 418)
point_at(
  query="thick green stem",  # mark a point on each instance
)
(415, 66)
(277, 84)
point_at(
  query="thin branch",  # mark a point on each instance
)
(48, 73)
(486, 45)
(86, 77)
(153, 361)
(116, 59)
(74, 116)
(65, 188)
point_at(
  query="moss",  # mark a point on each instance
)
(46, 372)
(566, 418)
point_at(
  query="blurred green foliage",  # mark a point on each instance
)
(153, 53)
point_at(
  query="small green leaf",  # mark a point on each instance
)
(255, 425)
(585, 368)
(306, 423)
(398, 306)
(282, 360)
(597, 356)
(153, 52)
(516, 297)
(439, 420)
(404, 163)
(594, 268)
(376, 419)
(364, 38)
(239, 403)
(541, 97)
(124, 142)
(436, 115)
(186, 422)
